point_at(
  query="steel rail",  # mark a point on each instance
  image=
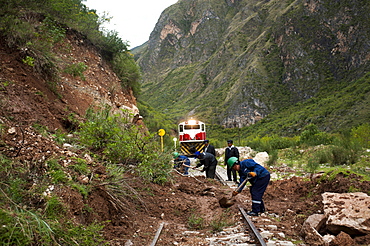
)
(219, 178)
(254, 232)
(157, 234)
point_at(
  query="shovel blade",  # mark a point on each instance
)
(226, 202)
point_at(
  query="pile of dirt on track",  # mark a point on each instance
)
(175, 204)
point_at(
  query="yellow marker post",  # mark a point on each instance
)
(161, 133)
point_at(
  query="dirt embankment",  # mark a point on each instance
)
(29, 97)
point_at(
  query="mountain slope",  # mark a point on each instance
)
(235, 62)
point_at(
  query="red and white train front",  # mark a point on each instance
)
(192, 134)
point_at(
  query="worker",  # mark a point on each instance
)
(231, 151)
(259, 178)
(209, 161)
(209, 148)
(180, 161)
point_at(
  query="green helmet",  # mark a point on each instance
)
(175, 155)
(231, 161)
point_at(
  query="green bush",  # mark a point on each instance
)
(76, 70)
(54, 208)
(362, 135)
(22, 227)
(311, 136)
(312, 165)
(324, 155)
(80, 166)
(122, 142)
(342, 156)
(127, 71)
(271, 143)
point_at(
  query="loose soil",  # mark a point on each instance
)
(184, 203)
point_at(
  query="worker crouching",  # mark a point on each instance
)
(259, 178)
(181, 163)
(209, 161)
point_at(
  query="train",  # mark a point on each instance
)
(192, 134)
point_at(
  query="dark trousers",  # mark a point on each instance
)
(211, 172)
(231, 172)
(257, 190)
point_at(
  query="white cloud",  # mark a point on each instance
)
(133, 20)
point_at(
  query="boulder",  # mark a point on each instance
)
(310, 229)
(261, 158)
(347, 212)
(311, 236)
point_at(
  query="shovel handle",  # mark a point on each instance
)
(192, 167)
(241, 185)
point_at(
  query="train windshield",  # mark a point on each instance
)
(190, 127)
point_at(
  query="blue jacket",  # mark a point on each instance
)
(249, 165)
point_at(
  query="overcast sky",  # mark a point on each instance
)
(133, 20)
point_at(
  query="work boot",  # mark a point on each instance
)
(251, 213)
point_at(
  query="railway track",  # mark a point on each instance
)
(251, 229)
(254, 233)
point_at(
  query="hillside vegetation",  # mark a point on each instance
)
(234, 63)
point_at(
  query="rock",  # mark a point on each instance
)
(328, 238)
(261, 158)
(348, 212)
(67, 146)
(316, 221)
(311, 227)
(129, 243)
(83, 179)
(343, 239)
(88, 159)
(12, 130)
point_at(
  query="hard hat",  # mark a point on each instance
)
(175, 155)
(231, 161)
(197, 153)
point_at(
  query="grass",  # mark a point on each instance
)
(195, 221)
(222, 221)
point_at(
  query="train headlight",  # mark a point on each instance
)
(192, 122)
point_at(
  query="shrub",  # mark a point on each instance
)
(76, 70)
(128, 71)
(311, 136)
(312, 165)
(362, 135)
(54, 208)
(122, 142)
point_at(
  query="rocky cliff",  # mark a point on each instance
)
(235, 62)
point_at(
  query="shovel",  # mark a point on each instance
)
(228, 202)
